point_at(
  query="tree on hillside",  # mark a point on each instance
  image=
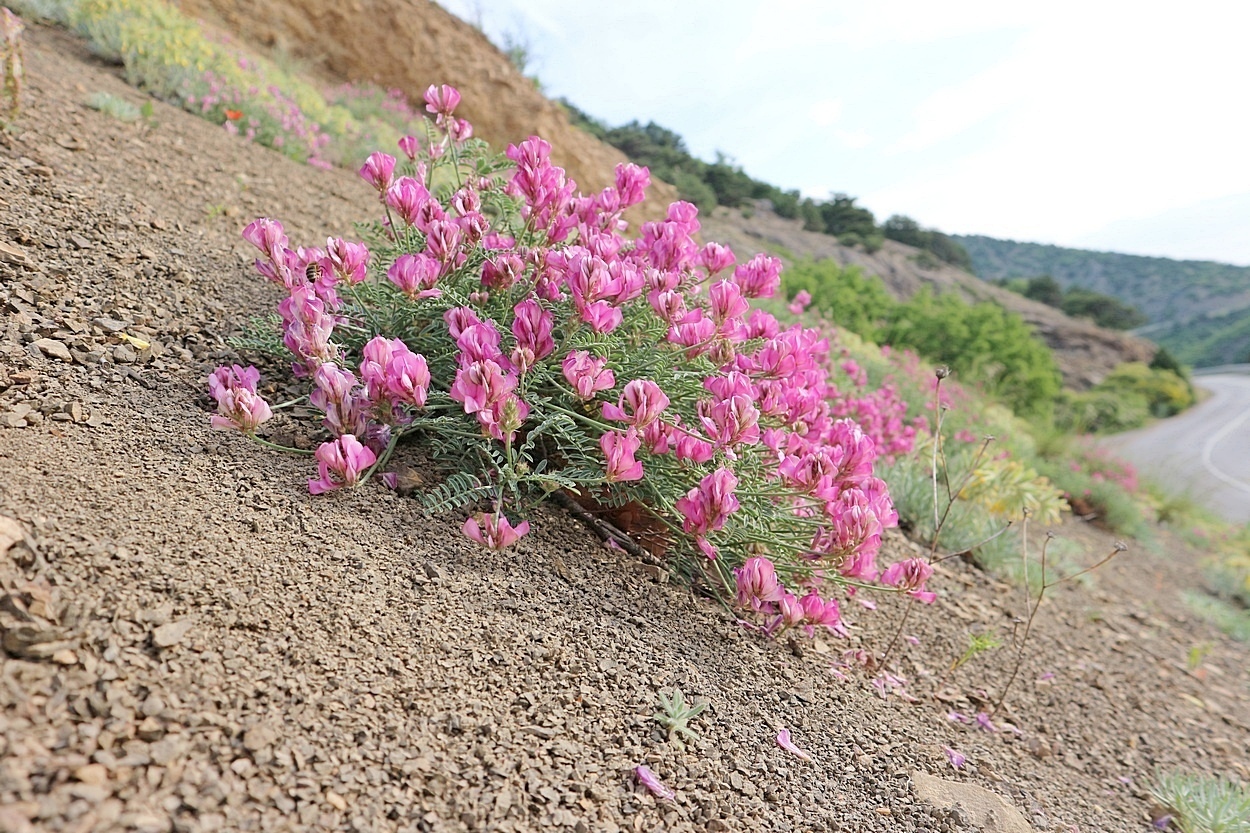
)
(842, 216)
(1046, 289)
(906, 230)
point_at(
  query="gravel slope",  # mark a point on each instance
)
(192, 642)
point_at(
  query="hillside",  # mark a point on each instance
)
(1085, 353)
(409, 44)
(1197, 309)
(193, 642)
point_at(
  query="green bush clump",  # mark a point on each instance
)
(1126, 399)
(983, 343)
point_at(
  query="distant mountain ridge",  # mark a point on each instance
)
(1199, 310)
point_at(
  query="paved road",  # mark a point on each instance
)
(1204, 452)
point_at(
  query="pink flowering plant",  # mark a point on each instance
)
(538, 349)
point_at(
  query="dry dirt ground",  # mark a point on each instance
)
(192, 642)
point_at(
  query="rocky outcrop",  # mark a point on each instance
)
(410, 44)
(1086, 353)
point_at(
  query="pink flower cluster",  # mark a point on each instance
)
(691, 403)
(760, 591)
(239, 406)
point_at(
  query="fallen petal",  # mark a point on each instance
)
(783, 740)
(652, 782)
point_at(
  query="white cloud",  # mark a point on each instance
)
(825, 112)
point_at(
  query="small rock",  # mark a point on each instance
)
(258, 737)
(80, 242)
(94, 774)
(91, 793)
(96, 419)
(988, 811)
(10, 533)
(109, 325)
(434, 572)
(54, 349)
(65, 657)
(12, 254)
(170, 634)
(124, 354)
(150, 729)
(336, 801)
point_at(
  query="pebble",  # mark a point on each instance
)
(53, 349)
(171, 633)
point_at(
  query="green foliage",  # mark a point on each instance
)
(1103, 310)
(1202, 307)
(1203, 804)
(675, 715)
(115, 106)
(1045, 289)
(908, 231)
(1209, 340)
(1126, 399)
(978, 643)
(1078, 302)
(843, 294)
(1166, 392)
(983, 343)
(1164, 360)
(1100, 411)
(1229, 618)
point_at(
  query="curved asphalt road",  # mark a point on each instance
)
(1204, 452)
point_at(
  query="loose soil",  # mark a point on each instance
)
(192, 642)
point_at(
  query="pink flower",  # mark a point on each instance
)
(340, 463)
(957, 760)
(459, 319)
(631, 183)
(652, 782)
(984, 722)
(758, 587)
(759, 277)
(587, 375)
(378, 171)
(484, 390)
(416, 276)
(441, 100)
(479, 342)
(818, 612)
(619, 449)
(716, 258)
(727, 302)
(344, 404)
(410, 146)
(801, 299)
(645, 401)
(408, 378)
(394, 374)
(531, 327)
(502, 271)
(911, 575)
(443, 242)
(239, 406)
(783, 740)
(409, 198)
(269, 236)
(346, 261)
(706, 507)
(494, 531)
(732, 421)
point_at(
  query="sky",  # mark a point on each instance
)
(1099, 124)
